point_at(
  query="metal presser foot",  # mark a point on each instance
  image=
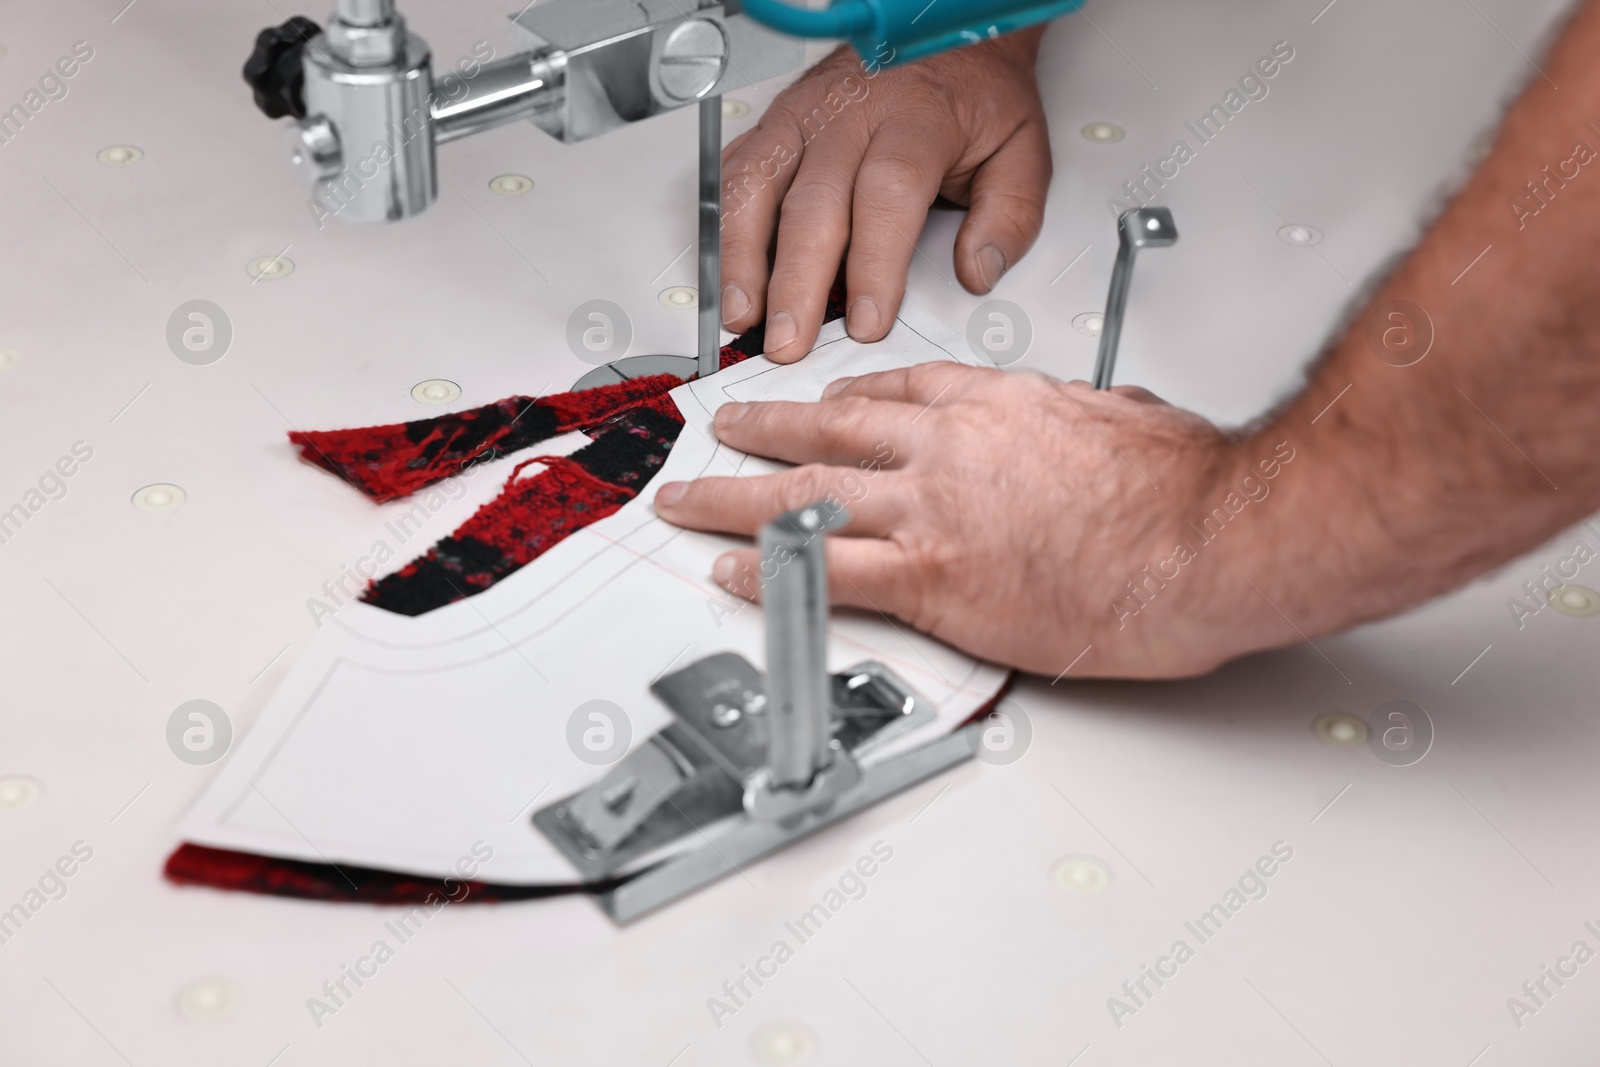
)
(751, 762)
(1145, 227)
(709, 359)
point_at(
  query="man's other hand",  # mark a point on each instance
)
(852, 156)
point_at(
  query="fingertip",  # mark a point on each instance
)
(864, 319)
(670, 494)
(728, 416)
(837, 386)
(796, 349)
(736, 573)
(781, 335)
(744, 287)
(736, 306)
(982, 259)
(990, 264)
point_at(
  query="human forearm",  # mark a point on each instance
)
(1411, 480)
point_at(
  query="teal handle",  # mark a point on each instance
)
(886, 32)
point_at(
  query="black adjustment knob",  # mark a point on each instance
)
(273, 69)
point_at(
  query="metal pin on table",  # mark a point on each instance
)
(1145, 227)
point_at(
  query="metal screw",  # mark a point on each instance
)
(693, 57)
(314, 152)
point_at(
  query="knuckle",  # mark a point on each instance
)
(1013, 215)
(718, 494)
(806, 485)
(931, 378)
(817, 195)
(744, 190)
(877, 266)
(1021, 207)
(704, 496)
(898, 178)
(757, 169)
(925, 91)
(764, 142)
(926, 569)
(744, 238)
(796, 288)
(848, 415)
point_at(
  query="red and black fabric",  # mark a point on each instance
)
(532, 514)
(634, 425)
(389, 462)
(241, 872)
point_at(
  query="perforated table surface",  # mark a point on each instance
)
(1338, 903)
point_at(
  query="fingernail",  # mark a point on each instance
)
(671, 493)
(728, 414)
(862, 319)
(734, 304)
(722, 570)
(833, 387)
(780, 333)
(991, 266)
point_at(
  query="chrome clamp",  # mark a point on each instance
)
(751, 762)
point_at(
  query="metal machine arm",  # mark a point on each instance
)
(370, 115)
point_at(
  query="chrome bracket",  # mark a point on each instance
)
(751, 762)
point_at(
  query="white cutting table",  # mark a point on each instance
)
(1019, 898)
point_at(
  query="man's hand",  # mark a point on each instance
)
(1450, 429)
(1003, 513)
(853, 154)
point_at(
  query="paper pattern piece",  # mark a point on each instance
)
(399, 743)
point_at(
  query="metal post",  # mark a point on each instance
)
(710, 235)
(1147, 227)
(795, 594)
(1111, 324)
